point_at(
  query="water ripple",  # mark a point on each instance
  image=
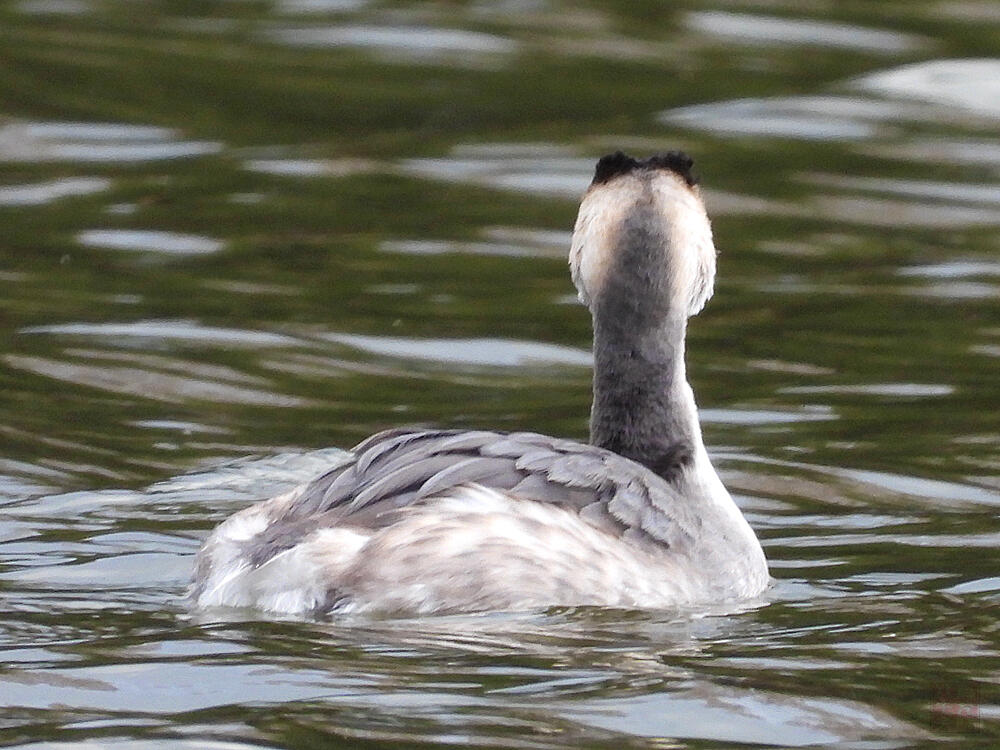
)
(403, 43)
(177, 330)
(479, 352)
(146, 240)
(40, 193)
(969, 85)
(95, 143)
(744, 28)
(133, 381)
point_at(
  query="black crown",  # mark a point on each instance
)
(620, 163)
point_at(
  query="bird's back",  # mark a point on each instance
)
(445, 520)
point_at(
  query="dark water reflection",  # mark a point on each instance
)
(261, 229)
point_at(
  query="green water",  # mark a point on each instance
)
(236, 234)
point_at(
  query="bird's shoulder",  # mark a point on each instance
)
(403, 467)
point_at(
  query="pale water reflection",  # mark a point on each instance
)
(944, 90)
(147, 382)
(971, 85)
(402, 43)
(284, 167)
(980, 193)
(477, 352)
(177, 330)
(809, 118)
(744, 28)
(542, 170)
(517, 249)
(320, 6)
(40, 193)
(98, 142)
(954, 270)
(149, 240)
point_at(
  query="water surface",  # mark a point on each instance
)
(238, 237)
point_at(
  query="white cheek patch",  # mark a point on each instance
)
(598, 223)
(693, 251)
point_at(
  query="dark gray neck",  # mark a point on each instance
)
(643, 407)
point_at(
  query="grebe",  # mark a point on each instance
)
(422, 521)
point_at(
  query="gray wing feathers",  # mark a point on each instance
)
(398, 468)
(492, 472)
(627, 504)
(399, 478)
(383, 443)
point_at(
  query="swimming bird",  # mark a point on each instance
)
(433, 521)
